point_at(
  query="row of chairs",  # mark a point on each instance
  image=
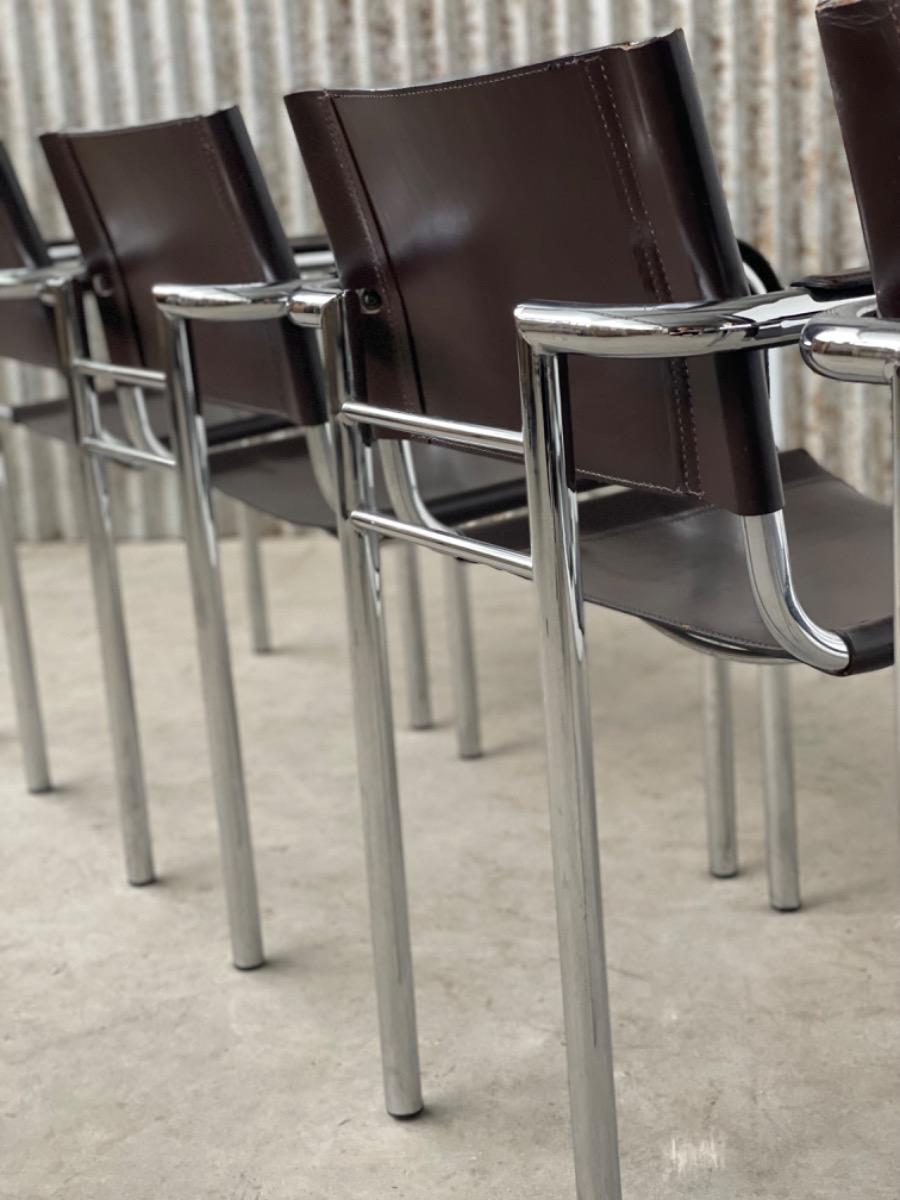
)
(610, 441)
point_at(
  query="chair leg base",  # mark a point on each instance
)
(407, 1116)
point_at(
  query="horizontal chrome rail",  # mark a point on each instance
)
(121, 452)
(852, 344)
(139, 377)
(36, 283)
(668, 330)
(456, 545)
(455, 433)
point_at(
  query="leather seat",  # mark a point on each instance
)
(53, 419)
(681, 565)
(277, 478)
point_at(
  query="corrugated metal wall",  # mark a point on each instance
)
(96, 62)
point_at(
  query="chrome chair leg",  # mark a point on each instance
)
(123, 722)
(254, 579)
(19, 651)
(573, 816)
(463, 677)
(377, 765)
(415, 659)
(189, 447)
(114, 653)
(778, 788)
(718, 736)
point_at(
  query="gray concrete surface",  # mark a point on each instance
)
(757, 1054)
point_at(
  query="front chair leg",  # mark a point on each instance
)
(189, 447)
(718, 731)
(778, 788)
(463, 676)
(377, 766)
(19, 651)
(412, 624)
(123, 721)
(573, 814)
(254, 579)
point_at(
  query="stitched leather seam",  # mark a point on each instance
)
(677, 369)
(432, 89)
(346, 167)
(460, 85)
(211, 162)
(795, 485)
(655, 279)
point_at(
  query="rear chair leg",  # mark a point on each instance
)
(778, 788)
(19, 652)
(189, 446)
(573, 813)
(254, 579)
(415, 658)
(463, 676)
(718, 730)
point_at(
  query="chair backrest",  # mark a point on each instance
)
(588, 178)
(861, 42)
(26, 326)
(185, 202)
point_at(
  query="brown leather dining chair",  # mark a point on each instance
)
(185, 200)
(859, 340)
(29, 266)
(567, 217)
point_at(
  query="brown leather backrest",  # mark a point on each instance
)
(588, 178)
(185, 202)
(26, 326)
(861, 41)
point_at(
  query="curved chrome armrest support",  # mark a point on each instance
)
(403, 486)
(668, 330)
(136, 419)
(320, 446)
(850, 343)
(768, 562)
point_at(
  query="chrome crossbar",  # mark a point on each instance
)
(454, 544)
(139, 377)
(457, 433)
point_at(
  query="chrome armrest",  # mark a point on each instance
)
(758, 322)
(850, 343)
(242, 301)
(225, 301)
(34, 283)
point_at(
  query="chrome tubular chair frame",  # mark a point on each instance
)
(22, 284)
(546, 332)
(270, 302)
(26, 696)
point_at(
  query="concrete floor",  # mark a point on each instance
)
(757, 1054)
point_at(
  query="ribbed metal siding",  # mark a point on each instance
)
(96, 62)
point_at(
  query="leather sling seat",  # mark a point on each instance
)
(681, 565)
(53, 419)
